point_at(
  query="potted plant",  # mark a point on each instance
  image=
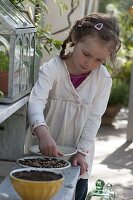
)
(1, 94)
(4, 66)
(121, 83)
(119, 94)
(118, 99)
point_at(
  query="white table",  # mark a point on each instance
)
(6, 110)
(12, 138)
(66, 193)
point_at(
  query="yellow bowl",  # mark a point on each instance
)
(36, 190)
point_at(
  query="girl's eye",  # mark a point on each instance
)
(99, 60)
(86, 54)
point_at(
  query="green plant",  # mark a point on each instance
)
(121, 82)
(1, 94)
(44, 39)
(119, 93)
(121, 85)
(4, 61)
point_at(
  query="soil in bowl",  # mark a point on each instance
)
(34, 175)
(46, 162)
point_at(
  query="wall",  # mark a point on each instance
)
(58, 22)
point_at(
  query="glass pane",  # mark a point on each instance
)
(2, 27)
(4, 64)
(13, 16)
(17, 66)
(32, 58)
(25, 70)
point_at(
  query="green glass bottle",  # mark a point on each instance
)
(101, 192)
(108, 188)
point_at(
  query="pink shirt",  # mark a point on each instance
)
(78, 79)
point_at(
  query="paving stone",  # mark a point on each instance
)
(113, 160)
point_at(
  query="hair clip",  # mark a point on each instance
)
(81, 23)
(99, 26)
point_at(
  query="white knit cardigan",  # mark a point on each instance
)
(72, 115)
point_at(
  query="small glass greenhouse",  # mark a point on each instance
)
(17, 53)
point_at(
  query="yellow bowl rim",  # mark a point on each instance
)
(35, 169)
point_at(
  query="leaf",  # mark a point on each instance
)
(39, 52)
(57, 44)
(44, 6)
(1, 94)
(44, 37)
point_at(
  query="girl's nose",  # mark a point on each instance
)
(89, 63)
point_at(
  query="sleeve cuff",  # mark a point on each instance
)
(82, 150)
(36, 124)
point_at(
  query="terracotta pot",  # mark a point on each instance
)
(4, 82)
(130, 10)
(110, 114)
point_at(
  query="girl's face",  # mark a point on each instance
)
(88, 55)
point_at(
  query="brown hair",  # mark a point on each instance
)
(87, 26)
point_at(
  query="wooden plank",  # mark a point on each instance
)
(66, 193)
(6, 110)
(12, 135)
(1, 178)
(5, 167)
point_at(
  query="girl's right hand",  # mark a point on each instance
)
(47, 144)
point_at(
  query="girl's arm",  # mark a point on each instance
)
(86, 142)
(46, 143)
(36, 106)
(39, 95)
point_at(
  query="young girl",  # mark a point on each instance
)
(72, 91)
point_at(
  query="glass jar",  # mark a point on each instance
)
(101, 192)
(108, 189)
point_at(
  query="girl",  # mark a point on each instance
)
(72, 91)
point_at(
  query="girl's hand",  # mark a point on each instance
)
(79, 159)
(47, 145)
